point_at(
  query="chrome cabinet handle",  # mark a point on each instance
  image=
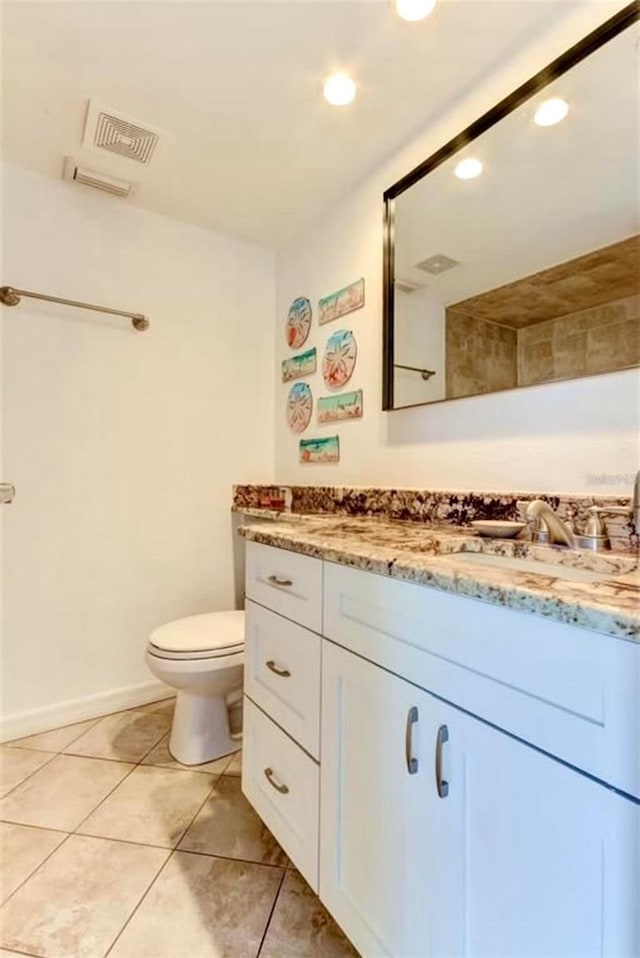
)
(412, 763)
(268, 773)
(283, 673)
(283, 583)
(441, 784)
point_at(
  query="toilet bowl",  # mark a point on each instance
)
(201, 657)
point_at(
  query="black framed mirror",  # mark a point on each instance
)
(512, 254)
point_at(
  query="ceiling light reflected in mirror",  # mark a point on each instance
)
(339, 89)
(468, 169)
(551, 111)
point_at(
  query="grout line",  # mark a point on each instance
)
(103, 800)
(228, 858)
(36, 869)
(151, 884)
(271, 913)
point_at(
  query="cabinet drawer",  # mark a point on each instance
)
(571, 692)
(282, 783)
(282, 674)
(286, 582)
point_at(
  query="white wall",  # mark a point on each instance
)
(543, 438)
(419, 342)
(123, 446)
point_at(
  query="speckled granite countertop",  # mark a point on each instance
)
(431, 556)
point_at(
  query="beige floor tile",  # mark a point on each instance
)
(153, 806)
(126, 736)
(201, 907)
(235, 765)
(77, 902)
(16, 764)
(228, 826)
(57, 739)
(22, 849)
(160, 755)
(166, 706)
(63, 793)
(301, 927)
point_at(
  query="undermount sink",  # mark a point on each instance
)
(570, 573)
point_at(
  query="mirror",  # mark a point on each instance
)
(528, 272)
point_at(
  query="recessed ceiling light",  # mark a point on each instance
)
(339, 89)
(467, 169)
(551, 111)
(414, 9)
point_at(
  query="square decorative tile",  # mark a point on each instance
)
(16, 764)
(153, 806)
(22, 849)
(301, 927)
(77, 902)
(126, 736)
(201, 907)
(57, 739)
(228, 826)
(160, 755)
(62, 794)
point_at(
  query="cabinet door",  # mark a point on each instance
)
(550, 859)
(384, 831)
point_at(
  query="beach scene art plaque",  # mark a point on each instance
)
(343, 406)
(298, 366)
(298, 322)
(339, 358)
(339, 304)
(326, 449)
(299, 407)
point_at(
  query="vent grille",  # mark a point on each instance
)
(127, 139)
(109, 130)
(95, 179)
(439, 263)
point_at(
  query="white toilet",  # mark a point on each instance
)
(202, 658)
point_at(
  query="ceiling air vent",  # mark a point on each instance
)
(406, 285)
(437, 264)
(109, 130)
(99, 181)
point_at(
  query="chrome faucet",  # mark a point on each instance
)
(548, 526)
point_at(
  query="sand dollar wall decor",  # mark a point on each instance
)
(299, 407)
(298, 322)
(339, 358)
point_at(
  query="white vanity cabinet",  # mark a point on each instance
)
(442, 836)
(462, 785)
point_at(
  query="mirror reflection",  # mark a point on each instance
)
(516, 262)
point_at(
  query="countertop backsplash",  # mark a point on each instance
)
(435, 507)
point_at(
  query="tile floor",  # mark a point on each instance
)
(110, 847)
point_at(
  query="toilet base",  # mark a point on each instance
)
(200, 729)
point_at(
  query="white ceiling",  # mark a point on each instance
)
(251, 149)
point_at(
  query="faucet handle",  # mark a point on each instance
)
(595, 525)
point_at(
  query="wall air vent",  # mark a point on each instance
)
(106, 129)
(437, 264)
(99, 181)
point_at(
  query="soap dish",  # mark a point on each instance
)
(498, 528)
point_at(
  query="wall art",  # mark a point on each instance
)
(299, 407)
(340, 303)
(326, 449)
(342, 406)
(298, 322)
(302, 365)
(339, 358)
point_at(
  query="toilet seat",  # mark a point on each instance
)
(210, 636)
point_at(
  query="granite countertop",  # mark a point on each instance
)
(430, 556)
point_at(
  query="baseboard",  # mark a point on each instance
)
(79, 710)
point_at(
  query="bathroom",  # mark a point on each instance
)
(160, 469)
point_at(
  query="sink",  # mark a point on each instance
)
(569, 573)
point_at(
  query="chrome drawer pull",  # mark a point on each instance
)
(283, 583)
(283, 673)
(441, 784)
(412, 763)
(268, 772)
